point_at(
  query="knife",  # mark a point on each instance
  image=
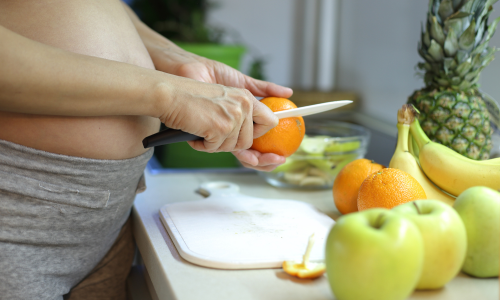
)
(170, 136)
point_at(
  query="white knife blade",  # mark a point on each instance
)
(311, 109)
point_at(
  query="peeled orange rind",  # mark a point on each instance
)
(301, 271)
(305, 269)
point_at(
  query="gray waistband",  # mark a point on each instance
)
(78, 171)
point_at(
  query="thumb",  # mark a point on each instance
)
(264, 119)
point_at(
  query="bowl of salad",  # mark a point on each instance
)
(326, 148)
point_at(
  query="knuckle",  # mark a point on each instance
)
(248, 94)
(226, 128)
(237, 113)
(221, 128)
(187, 68)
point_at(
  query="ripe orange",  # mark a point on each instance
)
(285, 138)
(348, 181)
(388, 188)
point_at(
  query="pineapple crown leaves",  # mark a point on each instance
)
(454, 42)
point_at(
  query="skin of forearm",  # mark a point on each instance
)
(39, 79)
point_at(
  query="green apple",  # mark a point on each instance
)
(373, 254)
(314, 145)
(291, 165)
(444, 237)
(332, 164)
(479, 208)
(342, 147)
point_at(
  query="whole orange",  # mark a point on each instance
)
(348, 181)
(388, 188)
(285, 138)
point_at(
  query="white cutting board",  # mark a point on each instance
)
(229, 230)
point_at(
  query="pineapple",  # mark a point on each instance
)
(454, 45)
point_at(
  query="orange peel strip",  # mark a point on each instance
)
(305, 269)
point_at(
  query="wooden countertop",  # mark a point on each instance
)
(175, 278)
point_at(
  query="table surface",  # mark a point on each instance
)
(175, 278)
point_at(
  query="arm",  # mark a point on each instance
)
(169, 58)
(40, 79)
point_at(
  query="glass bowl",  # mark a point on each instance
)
(326, 148)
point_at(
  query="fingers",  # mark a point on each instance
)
(259, 161)
(230, 126)
(245, 138)
(261, 88)
(228, 118)
(258, 168)
(263, 118)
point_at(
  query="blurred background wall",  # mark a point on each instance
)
(363, 46)
(375, 46)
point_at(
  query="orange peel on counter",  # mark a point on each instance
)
(305, 269)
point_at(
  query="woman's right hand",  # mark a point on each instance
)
(227, 118)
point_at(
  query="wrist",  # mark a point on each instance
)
(161, 100)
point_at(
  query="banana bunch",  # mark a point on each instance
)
(436, 167)
(405, 160)
(450, 170)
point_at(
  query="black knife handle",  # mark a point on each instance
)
(168, 136)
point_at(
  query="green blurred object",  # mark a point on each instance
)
(228, 54)
(181, 155)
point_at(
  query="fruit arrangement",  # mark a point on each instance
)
(453, 235)
(398, 243)
(454, 46)
(417, 245)
(404, 156)
(441, 169)
(422, 244)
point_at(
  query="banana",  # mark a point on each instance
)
(412, 147)
(451, 171)
(405, 161)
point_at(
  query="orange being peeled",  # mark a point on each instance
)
(285, 138)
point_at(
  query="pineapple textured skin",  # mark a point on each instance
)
(454, 46)
(456, 119)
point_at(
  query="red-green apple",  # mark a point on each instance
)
(444, 238)
(479, 208)
(373, 254)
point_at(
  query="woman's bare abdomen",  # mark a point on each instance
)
(98, 28)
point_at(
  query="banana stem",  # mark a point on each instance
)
(413, 147)
(418, 134)
(403, 133)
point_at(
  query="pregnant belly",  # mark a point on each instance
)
(117, 137)
(95, 28)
